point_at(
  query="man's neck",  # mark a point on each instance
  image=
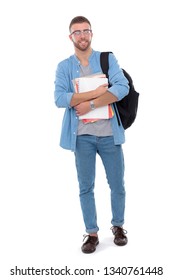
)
(83, 56)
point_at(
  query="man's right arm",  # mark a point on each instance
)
(64, 97)
(78, 98)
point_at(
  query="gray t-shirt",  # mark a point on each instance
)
(98, 128)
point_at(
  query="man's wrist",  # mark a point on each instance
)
(92, 106)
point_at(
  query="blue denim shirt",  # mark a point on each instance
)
(69, 69)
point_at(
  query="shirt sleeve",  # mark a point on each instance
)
(63, 89)
(119, 85)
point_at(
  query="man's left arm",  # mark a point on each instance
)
(119, 88)
(103, 100)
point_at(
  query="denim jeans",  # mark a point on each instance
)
(87, 148)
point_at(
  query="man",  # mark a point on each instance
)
(103, 137)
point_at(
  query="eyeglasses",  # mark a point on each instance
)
(79, 32)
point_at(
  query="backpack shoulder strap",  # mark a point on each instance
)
(104, 62)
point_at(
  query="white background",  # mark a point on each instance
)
(41, 222)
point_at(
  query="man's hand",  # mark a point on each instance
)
(82, 108)
(100, 90)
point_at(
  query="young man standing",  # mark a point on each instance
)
(103, 137)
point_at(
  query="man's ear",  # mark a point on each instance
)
(70, 36)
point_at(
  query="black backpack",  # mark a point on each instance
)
(127, 107)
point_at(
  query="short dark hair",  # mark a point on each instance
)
(78, 19)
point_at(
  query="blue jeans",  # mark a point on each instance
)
(112, 157)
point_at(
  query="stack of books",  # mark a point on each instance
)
(89, 83)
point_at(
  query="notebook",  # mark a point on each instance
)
(85, 84)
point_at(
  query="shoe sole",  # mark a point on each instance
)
(120, 244)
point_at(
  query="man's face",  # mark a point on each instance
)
(81, 35)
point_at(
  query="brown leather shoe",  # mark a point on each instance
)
(120, 238)
(89, 246)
